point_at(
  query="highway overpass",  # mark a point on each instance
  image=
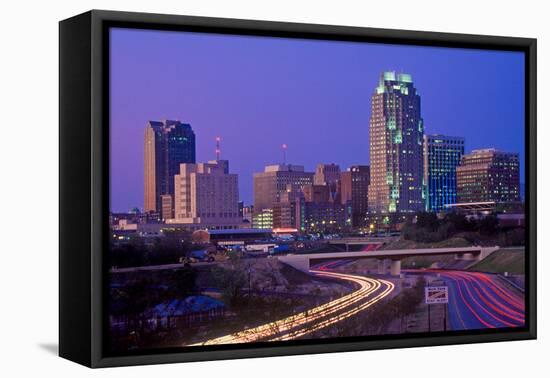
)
(393, 257)
(346, 242)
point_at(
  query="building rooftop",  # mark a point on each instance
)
(443, 137)
(393, 76)
(482, 151)
(397, 81)
(168, 124)
(284, 168)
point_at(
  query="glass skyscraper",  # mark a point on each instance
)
(442, 154)
(488, 175)
(167, 144)
(396, 147)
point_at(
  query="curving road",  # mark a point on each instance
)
(369, 292)
(480, 300)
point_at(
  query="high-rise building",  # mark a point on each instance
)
(167, 144)
(329, 175)
(354, 189)
(206, 195)
(442, 155)
(326, 174)
(271, 184)
(488, 175)
(396, 144)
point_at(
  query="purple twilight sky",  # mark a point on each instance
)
(257, 93)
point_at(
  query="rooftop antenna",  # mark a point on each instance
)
(218, 148)
(284, 146)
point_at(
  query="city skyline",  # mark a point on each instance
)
(264, 136)
(303, 189)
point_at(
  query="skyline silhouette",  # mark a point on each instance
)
(258, 93)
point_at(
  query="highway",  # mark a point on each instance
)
(480, 300)
(368, 292)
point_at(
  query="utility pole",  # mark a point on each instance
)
(445, 316)
(218, 149)
(429, 319)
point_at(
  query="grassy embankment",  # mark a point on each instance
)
(505, 260)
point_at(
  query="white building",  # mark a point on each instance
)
(206, 194)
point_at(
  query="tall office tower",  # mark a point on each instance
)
(442, 154)
(396, 139)
(488, 175)
(206, 195)
(271, 184)
(354, 189)
(167, 144)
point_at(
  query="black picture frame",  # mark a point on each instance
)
(84, 182)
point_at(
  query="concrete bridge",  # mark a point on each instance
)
(389, 257)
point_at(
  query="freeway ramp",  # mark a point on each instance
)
(302, 261)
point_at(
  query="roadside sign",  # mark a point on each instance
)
(436, 294)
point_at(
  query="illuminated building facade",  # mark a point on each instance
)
(354, 189)
(263, 219)
(488, 175)
(167, 144)
(325, 216)
(442, 155)
(396, 147)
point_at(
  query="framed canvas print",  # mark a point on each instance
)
(233, 188)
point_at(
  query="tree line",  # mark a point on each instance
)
(426, 227)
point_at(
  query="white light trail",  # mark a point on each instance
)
(319, 317)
